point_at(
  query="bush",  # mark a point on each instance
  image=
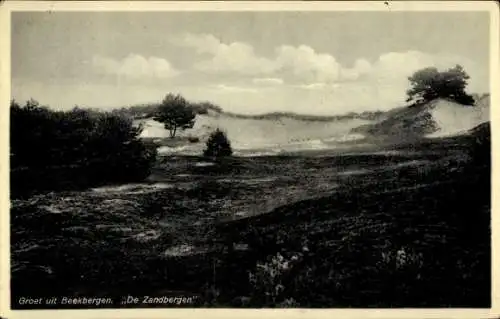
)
(218, 145)
(193, 139)
(268, 282)
(76, 148)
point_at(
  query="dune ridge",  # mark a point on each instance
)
(281, 133)
(436, 118)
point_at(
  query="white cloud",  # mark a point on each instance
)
(268, 81)
(394, 68)
(317, 86)
(293, 78)
(202, 43)
(135, 66)
(307, 64)
(302, 63)
(361, 67)
(238, 57)
(233, 89)
(398, 66)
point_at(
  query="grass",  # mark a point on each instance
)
(408, 229)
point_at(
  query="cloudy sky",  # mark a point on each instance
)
(246, 62)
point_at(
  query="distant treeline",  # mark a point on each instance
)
(149, 110)
(143, 111)
(314, 118)
(72, 149)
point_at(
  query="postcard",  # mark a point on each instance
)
(303, 159)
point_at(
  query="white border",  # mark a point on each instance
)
(6, 7)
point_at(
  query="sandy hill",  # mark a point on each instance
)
(437, 118)
(275, 133)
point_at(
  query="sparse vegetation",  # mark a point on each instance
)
(396, 236)
(204, 107)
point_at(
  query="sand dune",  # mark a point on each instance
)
(271, 136)
(263, 136)
(454, 119)
(437, 118)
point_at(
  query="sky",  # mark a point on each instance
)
(246, 62)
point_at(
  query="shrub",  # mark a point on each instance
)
(76, 148)
(193, 139)
(218, 145)
(267, 281)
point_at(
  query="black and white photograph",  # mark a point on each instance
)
(251, 158)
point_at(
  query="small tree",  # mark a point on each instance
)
(427, 84)
(175, 113)
(218, 145)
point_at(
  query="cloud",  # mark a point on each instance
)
(202, 43)
(399, 66)
(361, 67)
(233, 89)
(317, 86)
(394, 68)
(268, 81)
(238, 57)
(135, 66)
(300, 63)
(307, 64)
(291, 78)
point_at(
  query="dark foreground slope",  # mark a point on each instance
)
(415, 236)
(408, 228)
